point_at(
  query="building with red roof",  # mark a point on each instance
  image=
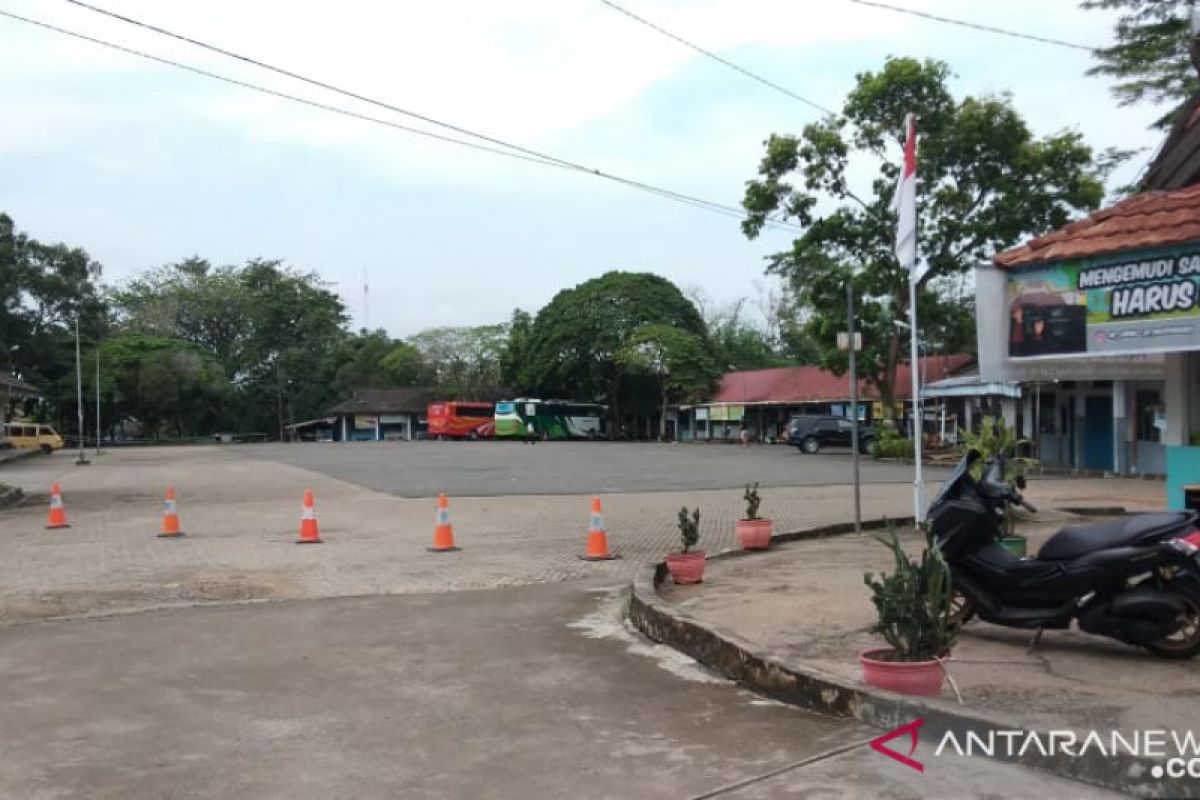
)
(1100, 322)
(764, 399)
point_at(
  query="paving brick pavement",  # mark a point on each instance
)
(242, 514)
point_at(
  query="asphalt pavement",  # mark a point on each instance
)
(490, 468)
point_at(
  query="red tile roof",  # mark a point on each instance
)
(1149, 219)
(816, 385)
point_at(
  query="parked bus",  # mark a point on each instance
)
(552, 419)
(461, 421)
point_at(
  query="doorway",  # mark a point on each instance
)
(1098, 434)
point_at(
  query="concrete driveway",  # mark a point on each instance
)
(531, 692)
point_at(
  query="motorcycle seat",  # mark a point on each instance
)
(1077, 540)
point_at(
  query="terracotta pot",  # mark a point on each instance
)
(686, 567)
(922, 678)
(755, 534)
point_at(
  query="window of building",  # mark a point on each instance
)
(1150, 415)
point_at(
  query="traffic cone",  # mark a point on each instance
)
(308, 521)
(443, 532)
(597, 544)
(58, 513)
(170, 520)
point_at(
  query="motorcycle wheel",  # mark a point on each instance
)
(1185, 642)
(961, 611)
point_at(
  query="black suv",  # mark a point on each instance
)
(811, 433)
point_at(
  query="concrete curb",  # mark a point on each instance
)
(811, 688)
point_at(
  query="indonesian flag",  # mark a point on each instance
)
(904, 203)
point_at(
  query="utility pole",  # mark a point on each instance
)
(97, 399)
(79, 393)
(853, 347)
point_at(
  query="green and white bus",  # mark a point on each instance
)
(552, 419)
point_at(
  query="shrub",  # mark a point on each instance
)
(689, 528)
(913, 603)
(752, 500)
(890, 444)
(995, 438)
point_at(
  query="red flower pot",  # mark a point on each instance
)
(686, 567)
(755, 534)
(923, 678)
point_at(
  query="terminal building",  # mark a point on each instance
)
(1099, 322)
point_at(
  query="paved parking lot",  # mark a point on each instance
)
(387, 677)
(485, 469)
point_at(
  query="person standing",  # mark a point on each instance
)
(530, 433)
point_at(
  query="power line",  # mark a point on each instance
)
(714, 57)
(973, 25)
(518, 151)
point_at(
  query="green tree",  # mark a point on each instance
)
(573, 345)
(514, 357)
(374, 360)
(44, 289)
(1151, 59)
(168, 385)
(680, 361)
(464, 362)
(276, 333)
(984, 183)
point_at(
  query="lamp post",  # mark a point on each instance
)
(97, 398)
(79, 394)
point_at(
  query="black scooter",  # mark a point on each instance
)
(1135, 579)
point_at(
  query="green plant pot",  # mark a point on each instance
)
(1014, 545)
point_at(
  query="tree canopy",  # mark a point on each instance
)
(573, 345)
(984, 183)
(1150, 60)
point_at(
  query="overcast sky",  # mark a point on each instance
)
(143, 164)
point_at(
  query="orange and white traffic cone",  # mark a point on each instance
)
(443, 531)
(308, 521)
(170, 520)
(597, 543)
(58, 512)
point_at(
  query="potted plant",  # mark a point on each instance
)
(994, 438)
(913, 605)
(687, 566)
(753, 531)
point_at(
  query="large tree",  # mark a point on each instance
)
(680, 361)
(464, 363)
(1150, 60)
(984, 183)
(275, 332)
(573, 345)
(44, 290)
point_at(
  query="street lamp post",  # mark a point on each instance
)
(79, 394)
(97, 399)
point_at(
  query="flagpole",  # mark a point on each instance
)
(917, 424)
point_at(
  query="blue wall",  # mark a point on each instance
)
(1183, 469)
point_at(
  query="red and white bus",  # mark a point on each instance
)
(462, 420)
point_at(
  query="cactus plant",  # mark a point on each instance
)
(689, 528)
(913, 603)
(752, 500)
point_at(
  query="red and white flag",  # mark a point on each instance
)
(904, 203)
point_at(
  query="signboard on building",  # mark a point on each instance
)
(364, 421)
(392, 419)
(1113, 305)
(727, 413)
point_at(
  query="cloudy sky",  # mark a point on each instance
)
(143, 164)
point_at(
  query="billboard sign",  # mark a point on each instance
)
(727, 413)
(1124, 305)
